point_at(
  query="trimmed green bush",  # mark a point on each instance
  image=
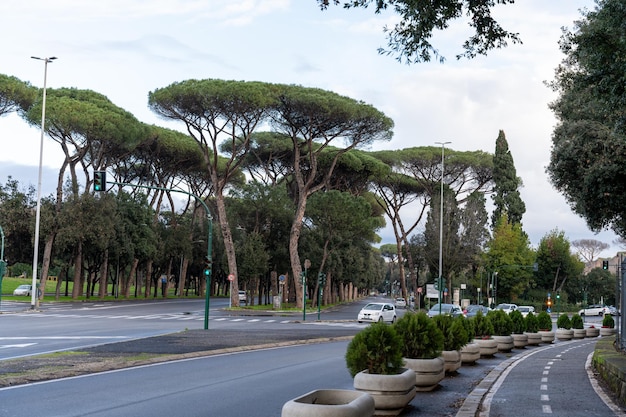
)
(468, 324)
(544, 321)
(532, 325)
(421, 338)
(502, 324)
(608, 321)
(483, 328)
(453, 330)
(564, 322)
(577, 322)
(377, 349)
(519, 325)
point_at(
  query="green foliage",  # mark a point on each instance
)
(517, 321)
(454, 334)
(483, 328)
(468, 324)
(564, 322)
(421, 338)
(555, 260)
(544, 321)
(506, 196)
(532, 323)
(502, 324)
(608, 321)
(377, 349)
(577, 322)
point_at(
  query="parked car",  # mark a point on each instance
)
(472, 309)
(594, 310)
(614, 311)
(507, 307)
(525, 310)
(242, 297)
(446, 309)
(373, 312)
(23, 289)
(400, 302)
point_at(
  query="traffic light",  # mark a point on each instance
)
(605, 264)
(207, 267)
(99, 180)
(321, 279)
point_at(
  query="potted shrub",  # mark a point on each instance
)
(483, 331)
(374, 359)
(608, 326)
(564, 327)
(422, 343)
(502, 328)
(454, 338)
(545, 327)
(470, 353)
(592, 331)
(520, 340)
(532, 329)
(578, 326)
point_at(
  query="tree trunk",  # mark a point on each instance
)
(45, 265)
(131, 274)
(77, 289)
(104, 276)
(294, 256)
(229, 247)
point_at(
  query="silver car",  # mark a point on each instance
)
(374, 312)
(23, 289)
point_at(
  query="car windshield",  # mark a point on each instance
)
(24, 287)
(373, 306)
(444, 307)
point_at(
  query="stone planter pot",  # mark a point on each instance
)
(520, 340)
(505, 343)
(592, 332)
(564, 334)
(580, 333)
(451, 360)
(330, 403)
(470, 353)
(547, 336)
(428, 372)
(488, 347)
(607, 331)
(391, 393)
(534, 339)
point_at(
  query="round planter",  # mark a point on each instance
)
(451, 360)
(488, 347)
(564, 334)
(391, 393)
(534, 338)
(520, 340)
(330, 403)
(607, 331)
(428, 372)
(505, 343)
(470, 353)
(580, 333)
(592, 332)
(547, 336)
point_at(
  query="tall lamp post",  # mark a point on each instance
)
(440, 280)
(34, 293)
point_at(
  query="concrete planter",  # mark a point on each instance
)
(505, 343)
(451, 360)
(607, 331)
(580, 333)
(534, 338)
(547, 336)
(592, 332)
(520, 340)
(488, 347)
(428, 372)
(470, 353)
(391, 393)
(330, 403)
(564, 334)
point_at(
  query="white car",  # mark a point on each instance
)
(374, 312)
(400, 302)
(507, 307)
(242, 297)
(525, 310)
(23, 289)
(594, 310)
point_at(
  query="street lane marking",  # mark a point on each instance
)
(546, 409)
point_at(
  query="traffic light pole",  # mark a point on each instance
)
(3, 264)
(209, 240)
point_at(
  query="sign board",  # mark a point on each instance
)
(231, 277)
(281, 278)
(431, 291)
(419, 290)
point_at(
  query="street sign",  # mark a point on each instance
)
(281, 278)
(419, 290)
(231, 277)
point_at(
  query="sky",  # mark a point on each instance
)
(126, 48)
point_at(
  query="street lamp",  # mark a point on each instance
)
(440, 281)
(34, 293)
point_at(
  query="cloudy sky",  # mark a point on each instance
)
(126, 48)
